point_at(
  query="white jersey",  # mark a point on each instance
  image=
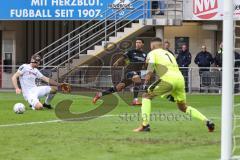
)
(28, 76)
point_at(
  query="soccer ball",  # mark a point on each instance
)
(19, 108)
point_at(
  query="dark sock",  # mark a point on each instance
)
(135, 91)
(109, 91)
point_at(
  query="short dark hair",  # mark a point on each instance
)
(140, 39)
(36, 58)
(167, 42)
(156, 39)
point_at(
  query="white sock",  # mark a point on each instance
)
(49, 98)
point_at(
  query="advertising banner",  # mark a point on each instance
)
(208, 10)
(66, 9)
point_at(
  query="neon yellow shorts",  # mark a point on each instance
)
(169, 86)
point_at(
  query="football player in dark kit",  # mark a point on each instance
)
(135, 59)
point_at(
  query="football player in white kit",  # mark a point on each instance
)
(27, 74)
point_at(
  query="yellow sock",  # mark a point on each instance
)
(146, 110)
(195, 113)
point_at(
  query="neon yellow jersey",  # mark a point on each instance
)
(164, 63)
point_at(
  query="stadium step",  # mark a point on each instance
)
(91, 52)
(135, 29)
(98, 47)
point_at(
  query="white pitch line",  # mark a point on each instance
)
(67, 120)
(53, 121)
(29, 123)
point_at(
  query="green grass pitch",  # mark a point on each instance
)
(108, 137)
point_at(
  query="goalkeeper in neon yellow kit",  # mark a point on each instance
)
(170, 82)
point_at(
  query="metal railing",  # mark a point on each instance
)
(80, 40)
(85, 37)
(95, 77)
(206, 80)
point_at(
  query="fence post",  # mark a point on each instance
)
(190, 80)
(145, 11)
(167, 12)
(182, 10)
(175, 10)
(57, 73)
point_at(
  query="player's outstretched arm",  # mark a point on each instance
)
(65, 87)
(50, 81)
(14, 82)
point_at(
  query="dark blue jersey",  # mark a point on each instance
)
(136, 56)
(136, 59)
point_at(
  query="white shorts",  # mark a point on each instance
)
(35, 93)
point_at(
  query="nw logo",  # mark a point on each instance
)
(205, 9)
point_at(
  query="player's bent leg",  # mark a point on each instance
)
(38, 106)
(191, 111)
(146, 112)
(159, 87)
(53, 90)
(196, 114)
(46, 91)
(146, 108)
(179, 95)
(120, 86)
(137, 83)
(34, 102)
(32, 99)
(182, 106)
(50, 96)
(110, 90)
